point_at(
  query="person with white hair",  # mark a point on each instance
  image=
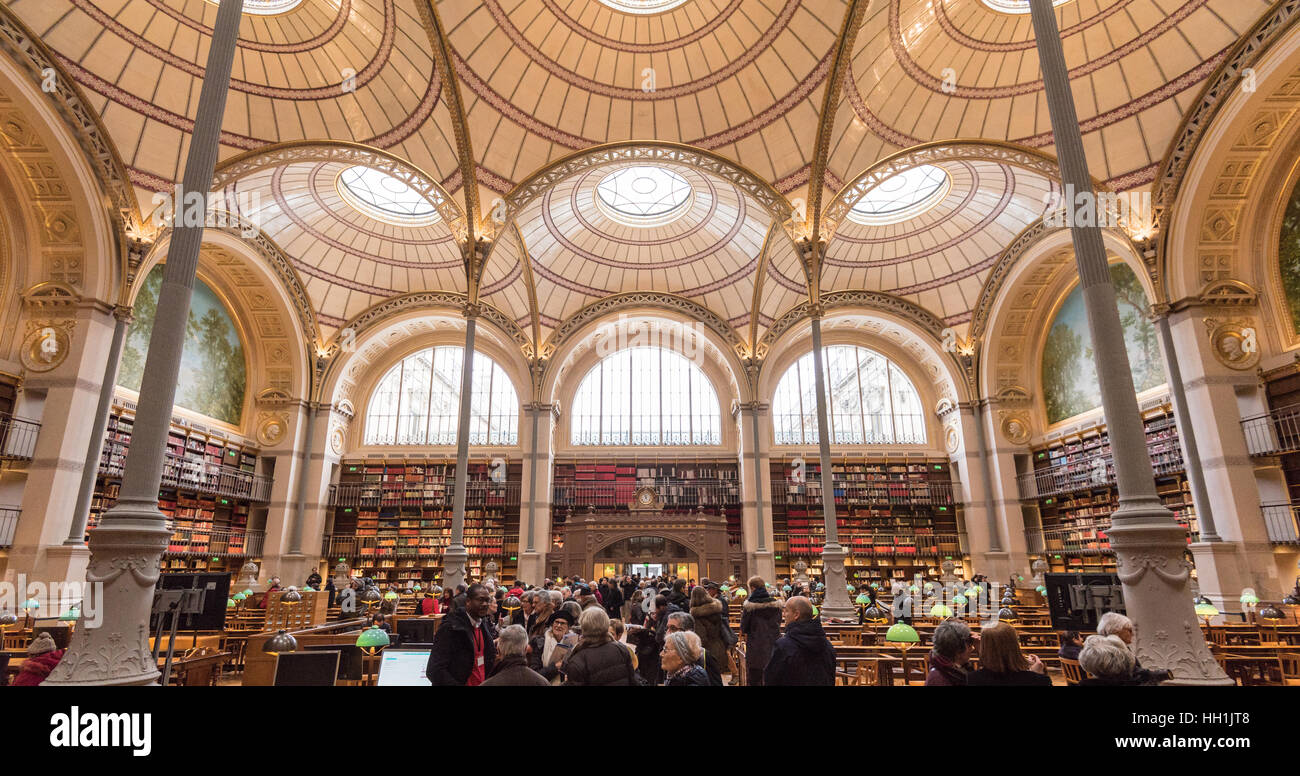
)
(1116, 624)
(598, 660)
(512, 667)
(680, 660)
(1108, 661)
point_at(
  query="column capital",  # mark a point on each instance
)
(472, 310)
(124, 313)
(754, 406)
(816, 310)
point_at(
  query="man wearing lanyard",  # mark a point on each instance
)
(463, 652)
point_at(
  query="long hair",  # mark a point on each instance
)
(1000, 650)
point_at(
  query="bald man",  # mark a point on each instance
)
(803, 657)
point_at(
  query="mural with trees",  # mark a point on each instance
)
(1288, 255)
(1069, 373)
(213, 374)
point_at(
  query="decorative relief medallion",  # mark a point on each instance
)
(1235, 342)
(47, 344)
(952, 439)
(337, 438)
(1015, 428)
(272, 427)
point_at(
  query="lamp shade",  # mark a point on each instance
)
(959, 599)
(1042, 589)
(940, 611)
(291, 597)
(308, 589)
(1006, 614)
(391, 595)
(279, 643)
(1269, 613)
(874, 614)
(1248, 597)
(239, 597)
(231, 603)
(370, 596)
(862, 600)
(913, 589)
(31, 603)
(875, 585)
(8, 620)
(928, 586)
(72, 615)
(1205, 609)
(416, 587)
(248, 591)
(372, 638)
(902, 633)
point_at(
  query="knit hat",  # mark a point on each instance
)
(560, 615)
(43, 643)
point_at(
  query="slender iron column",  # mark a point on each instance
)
(453, 560)
(128, 544)
(1186, 432)
(86, 491)
(986, 472)
(836, 602)
(1149, 544)
(758, 482)
(535, 410)
(304, 473)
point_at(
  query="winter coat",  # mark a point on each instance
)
(760, 621)
(945, 673)
(451, 659)
(803, 657)
(695, 677)
(538, 644)
(514, 672)
(708, 626)
(607, 665)
(37, 668)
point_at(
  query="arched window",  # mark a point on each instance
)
(646, 396)
(418, 402)
(872, 401)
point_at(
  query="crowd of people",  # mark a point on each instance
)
(627, 631)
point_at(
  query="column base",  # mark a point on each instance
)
(1149, 558)
(453, 566)
(111, 646)
(836, 604)
(291, 568)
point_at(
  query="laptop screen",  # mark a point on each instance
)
(403, 668)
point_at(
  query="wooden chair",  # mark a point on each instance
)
(1252, 671)
(1072, 670)
(15, 641)
(1290, 663)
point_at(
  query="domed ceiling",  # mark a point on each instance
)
(510, 92)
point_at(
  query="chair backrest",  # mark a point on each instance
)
(868, 673)
(1251, 671)
(1072, 670)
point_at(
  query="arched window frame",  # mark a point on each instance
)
(700, 424)
(797, 425)
(493, 398)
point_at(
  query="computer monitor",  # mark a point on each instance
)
(403, 668)
(306, 669)
(351, 659)
(417, 630)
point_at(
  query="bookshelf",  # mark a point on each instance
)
(210, 487)
(896, 516)
(392, 518)
(1073, 482)
(710, 485)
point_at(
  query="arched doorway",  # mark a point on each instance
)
(647, 556)
(598, 545)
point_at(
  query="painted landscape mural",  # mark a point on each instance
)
(1288, 255)
(212, 376)
(1069, 373)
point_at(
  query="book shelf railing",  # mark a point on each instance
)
(368, 548)
(862, 544)
(677, 493)
(808, 492)
(216, 542)
(17, 438)
(1273, 433)
(203, 477)
(478, 494)
(1088, 473)
(8, 525)
(1281, 519)
(1079, 538)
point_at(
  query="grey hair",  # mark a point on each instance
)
(1106, 657)
(512, 642)
(1111, 623)
(686, 620)
(951, 637)
(686, 644)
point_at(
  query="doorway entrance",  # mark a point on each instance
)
(648, 556)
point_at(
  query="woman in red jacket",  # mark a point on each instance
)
(42, 657)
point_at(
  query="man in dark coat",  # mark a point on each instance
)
(463, 652)
(760, 621)
(803, 657)
(512, 670)
(649, 640)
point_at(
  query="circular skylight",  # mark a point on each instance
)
(1016, 6)
(643, 196)
(266, 7)
(385, 198)
(643, 6)
(898, 198)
